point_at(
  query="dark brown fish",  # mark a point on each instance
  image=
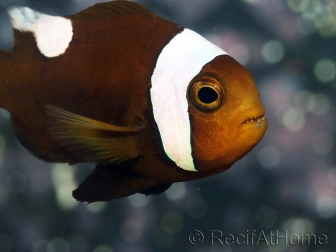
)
(148, 101)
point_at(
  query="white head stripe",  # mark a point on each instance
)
(179, 62)
(52, 34)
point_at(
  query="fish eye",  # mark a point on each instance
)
(206, 94)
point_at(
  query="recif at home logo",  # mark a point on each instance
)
(255, 238)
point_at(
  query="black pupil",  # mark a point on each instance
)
(207, 95)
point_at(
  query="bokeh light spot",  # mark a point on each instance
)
(172, 222)
(103, 248)
(326, 206)
(304, 26)
(298, 5)
(313, 10)
(273, 51)
(301, 99)
(302, 226)
(58, 245)
(318, 104)
(293, 119)
(176, 191)
(325, 70)
(138, 200)
(64, 184)
(131, 230)
(240, 53)
(252, 1)
(299, 226)
(315, 15)
(96, 207)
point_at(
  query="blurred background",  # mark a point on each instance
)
(286, 184)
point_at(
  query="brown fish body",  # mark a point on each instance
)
(105, 75)
(99, 92)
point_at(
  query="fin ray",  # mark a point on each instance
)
(92, 140)
(73, 119)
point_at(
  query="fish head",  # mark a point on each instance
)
(226, 114)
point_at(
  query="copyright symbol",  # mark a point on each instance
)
(196, 237)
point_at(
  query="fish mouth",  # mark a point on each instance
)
(254, 119)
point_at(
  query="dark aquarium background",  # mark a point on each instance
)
(280, 197)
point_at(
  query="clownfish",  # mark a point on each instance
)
(146, 100)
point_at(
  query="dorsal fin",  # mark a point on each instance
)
(53, 34)
(108, 9)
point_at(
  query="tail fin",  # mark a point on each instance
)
(4, 72)
(6, 44)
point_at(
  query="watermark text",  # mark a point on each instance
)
(255, 238)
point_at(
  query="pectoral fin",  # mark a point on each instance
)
(91, 140)
(108, 183)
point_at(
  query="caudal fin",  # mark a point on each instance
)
(4, 73)
(6, 44)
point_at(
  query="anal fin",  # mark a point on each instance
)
(157, 189)
(108, 182)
